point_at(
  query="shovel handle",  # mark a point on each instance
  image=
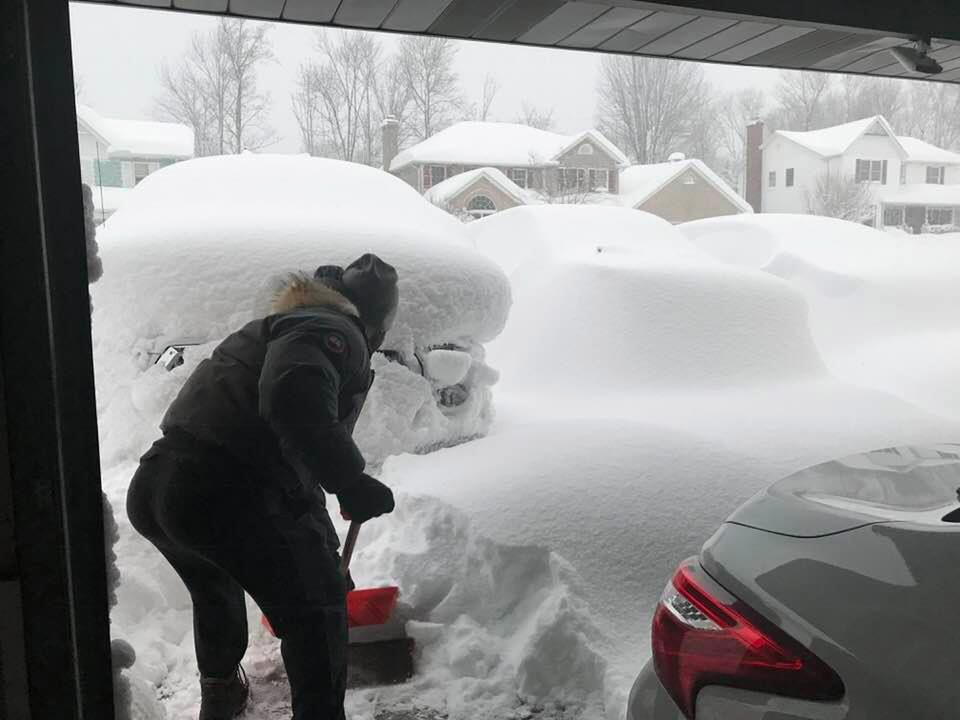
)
(348, 546)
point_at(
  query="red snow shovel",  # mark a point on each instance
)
(379, 652)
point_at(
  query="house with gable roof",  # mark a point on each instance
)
(117, 154)
(519, 164)
(679, 190)
(912, 184)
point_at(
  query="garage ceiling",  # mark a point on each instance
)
(853, 36)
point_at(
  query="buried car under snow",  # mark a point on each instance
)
(200, 247)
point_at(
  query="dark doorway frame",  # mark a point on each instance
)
(54, 626)
(55, 660)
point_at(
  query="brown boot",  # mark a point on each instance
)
(224, 699)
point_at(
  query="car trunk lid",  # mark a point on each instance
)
(918, 485)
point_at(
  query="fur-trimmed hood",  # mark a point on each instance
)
(302, 291)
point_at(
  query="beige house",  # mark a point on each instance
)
(679, 191)
(528, 163)
(479, 193)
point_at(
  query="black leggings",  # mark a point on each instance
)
(224, 533)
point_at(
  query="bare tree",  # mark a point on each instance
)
(802, 101)
(650, 107)
(840, 196)
(427, 66)
(306, 104)
(734, 113)
(863, 97)
(393, 98)
(489, 93)
(334, 100)
(539, 118)
(245, 46)
(934, 114)
(213, 89)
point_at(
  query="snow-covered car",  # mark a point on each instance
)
(882, 305)
(647, 390)
(200, 246)
(746, 630)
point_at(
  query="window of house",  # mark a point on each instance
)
(772, 181)
(871, 171)
(789, 179)
(433, 175)
(140, 171)
(939, 216)
(599, 179)
(481, 206)
(903, 173)
(893, 215)
(935, 175)
(520, 177)
(572, 179)
(585, 149)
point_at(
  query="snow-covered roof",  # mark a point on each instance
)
(138, 138)
(923, 152)
(639, 183)
(835, 140)
(923, 194)
(453, 186)
(498, 144)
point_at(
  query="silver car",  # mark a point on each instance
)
(833, 594)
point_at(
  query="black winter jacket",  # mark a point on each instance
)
(282, 395)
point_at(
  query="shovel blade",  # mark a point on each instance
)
(371, 606)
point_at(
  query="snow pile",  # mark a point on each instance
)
(499, 628)
(647, 390)
(237, 222)
(503, 630)
(200, 246)
(882, 306)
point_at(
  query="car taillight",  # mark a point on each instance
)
(703, 636)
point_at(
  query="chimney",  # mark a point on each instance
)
(753, 183)
(391, 140)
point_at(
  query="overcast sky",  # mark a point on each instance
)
(117, 53)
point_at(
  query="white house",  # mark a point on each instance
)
(117, 154)
(912, 184)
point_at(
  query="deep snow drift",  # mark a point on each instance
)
(647, 390)
(185, 261)
(882, 306)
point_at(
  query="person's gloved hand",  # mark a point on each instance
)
(365, 498)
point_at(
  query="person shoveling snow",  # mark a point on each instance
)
(231, 494)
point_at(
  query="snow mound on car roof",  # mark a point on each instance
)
(198, 245)
(683, 319)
